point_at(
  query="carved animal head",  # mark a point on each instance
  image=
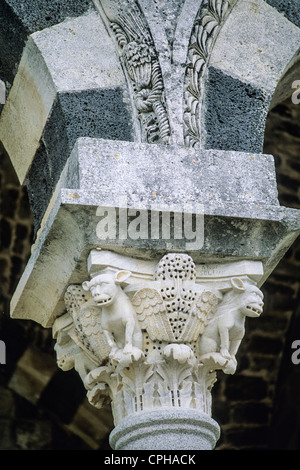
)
(65, 358)
(245, 297)
(106, 286)
(65, 347)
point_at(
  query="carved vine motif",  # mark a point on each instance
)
(161, 346)
(209, 20)
(141, 63)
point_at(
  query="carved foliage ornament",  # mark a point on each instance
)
(140, 61)
(159, 346)
(177, 312)
(210, 19)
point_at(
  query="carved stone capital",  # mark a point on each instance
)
(149, 336)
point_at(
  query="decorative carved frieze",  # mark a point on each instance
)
(140, 61)
(208, 22)
(144, 344)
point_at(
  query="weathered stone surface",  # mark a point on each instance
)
(95, 113)
(291, 10)
(246, 64)
(19, 19)
(36, 15)
(23, 117)
(91, 61)
(252, 30)
(228, 109)
(43, 73)
(170, 175)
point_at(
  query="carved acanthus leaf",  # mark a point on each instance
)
(157, 344)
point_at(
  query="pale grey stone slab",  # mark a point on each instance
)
(174, 175)
(91, 61)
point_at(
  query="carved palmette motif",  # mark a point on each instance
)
(173, 319)
(177, 312)
(141, 63)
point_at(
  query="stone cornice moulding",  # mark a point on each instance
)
(143, 270)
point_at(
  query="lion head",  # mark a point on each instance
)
(245, 297)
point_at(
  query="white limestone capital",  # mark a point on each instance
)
(148, 335)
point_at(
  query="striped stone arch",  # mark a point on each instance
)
(251, 68)
(68, 83)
